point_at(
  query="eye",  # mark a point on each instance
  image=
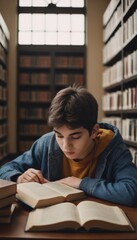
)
(59, 136)
(75, 137)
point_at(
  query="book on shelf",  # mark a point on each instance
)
(86, 215)
(7, 218)
(7, 188)
(38, 195)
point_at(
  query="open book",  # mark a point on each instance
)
(40, 195)
(87, 214)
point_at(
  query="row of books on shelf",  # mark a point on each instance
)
(114, 73)
(123, 35)
(130, 65)
(3, 112)
(3, 129)
(35, 61)
(69, 79)
(69, 61)
(45, 61)
(128, 130)
(8, 191)
(34, 78)
(4, 33)
(109, 10)
(44, 79)
(116, 17)
(126, 99)
(2, 54)
(33, 129)
(130, 27)
(33, 113)
(3, 93)
(3, 149)
(3, 74)
(35, 96)
(113, 46)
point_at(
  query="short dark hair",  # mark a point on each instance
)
(75, 107)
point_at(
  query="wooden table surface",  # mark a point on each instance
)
(15, 230)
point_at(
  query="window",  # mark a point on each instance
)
(60, 22)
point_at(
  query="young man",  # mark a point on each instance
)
(79, 152)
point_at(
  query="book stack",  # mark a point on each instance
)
(7, 200)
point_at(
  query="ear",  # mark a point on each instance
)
(95, 131)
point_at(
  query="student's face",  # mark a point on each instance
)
(75, 143)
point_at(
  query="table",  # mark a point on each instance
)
(15, 230)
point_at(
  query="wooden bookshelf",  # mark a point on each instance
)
(120, 64)
(4, 40)
(42, 72)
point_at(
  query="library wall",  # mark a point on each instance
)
(8, 11)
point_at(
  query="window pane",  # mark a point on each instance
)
(77, 22)
(25, 3)
(63, 3)
(51, 38)
(77, 38)
(38, 22)
(24, 22)
(37, 37)
(38, 3)
(77, 3)
(63, 38)
(51, 22)
(64, 22)
(24, 38)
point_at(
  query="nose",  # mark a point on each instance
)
(67, 144)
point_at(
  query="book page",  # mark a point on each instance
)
(99, 213)
(56, 217)
(31, 193)
(66, 191)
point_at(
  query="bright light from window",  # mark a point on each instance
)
(51, 22)
(51, 38)
(53, 28)
(64, 22)
(24, 22)
(25, 38)
(77, 22)
(45, 3)
(38, 22)
(38, 38)
(63, 38)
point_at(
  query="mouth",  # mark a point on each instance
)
(69, 153)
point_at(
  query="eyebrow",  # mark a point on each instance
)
(75, 133)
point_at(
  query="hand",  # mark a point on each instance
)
(71, 181)
(31, 175)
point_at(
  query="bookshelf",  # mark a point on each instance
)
(4, 40)
(120, 69)
(42, 72)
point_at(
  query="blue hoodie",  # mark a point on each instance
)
(115, 178)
